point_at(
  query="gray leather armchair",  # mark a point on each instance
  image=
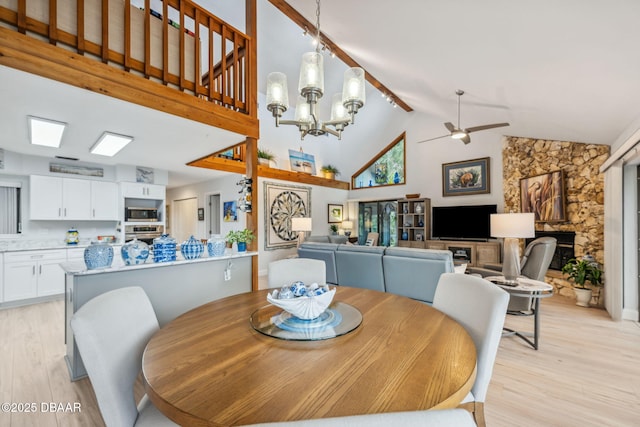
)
(534, 265)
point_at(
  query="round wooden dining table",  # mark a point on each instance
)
(210, 367)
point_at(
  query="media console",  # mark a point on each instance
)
(475, 254)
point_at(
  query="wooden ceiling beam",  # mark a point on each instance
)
(296, 17)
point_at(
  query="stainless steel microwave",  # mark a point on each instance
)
(132, 214)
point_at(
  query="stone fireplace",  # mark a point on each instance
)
(583, 231)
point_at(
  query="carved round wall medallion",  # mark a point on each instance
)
(285, 206)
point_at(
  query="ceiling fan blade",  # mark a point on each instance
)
(431, 139)
(466, 139)
(485, 127)
(450, 127)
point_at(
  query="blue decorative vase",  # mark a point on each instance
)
(396, 178)
(98, 255)
(134, 252)
(405, 235)
(192, 248)
(216, 245)
(242, 246)
(164, 249)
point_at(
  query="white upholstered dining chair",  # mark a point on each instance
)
(480, 307)
(286, 271)
(432, 418)
(111, 331)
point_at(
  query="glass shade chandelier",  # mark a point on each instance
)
(344, 105)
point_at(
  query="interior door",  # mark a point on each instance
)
(185, 219)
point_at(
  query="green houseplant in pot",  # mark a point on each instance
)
(330, 171)
(240, 238)
(265, 157)
(334, 229)
(581, 271)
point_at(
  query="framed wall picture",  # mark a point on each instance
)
(544, 196)
(200, 214)
(466, 177)
(334, 213)
(229, 211)
(281, 203)
(302, 162)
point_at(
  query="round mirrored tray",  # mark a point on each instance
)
(337, 320)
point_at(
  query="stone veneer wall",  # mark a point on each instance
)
(584, 191)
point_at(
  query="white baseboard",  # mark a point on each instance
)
(629, 314)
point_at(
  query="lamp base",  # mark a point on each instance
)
(347, 233)
(300, 237)
(511, 262)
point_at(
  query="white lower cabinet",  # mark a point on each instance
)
(30, 274)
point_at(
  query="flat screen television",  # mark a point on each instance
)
(462, 222)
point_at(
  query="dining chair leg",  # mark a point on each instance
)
(477, 410)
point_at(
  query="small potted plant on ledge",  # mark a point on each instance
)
(330, 171)
(334, 229)
(265, 157)
(582, 271)
(240, 238)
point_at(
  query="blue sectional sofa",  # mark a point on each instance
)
(410, 272)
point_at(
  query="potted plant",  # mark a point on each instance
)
(334, 229)
(265, 157)
(241, 238)
(582, 271)
(330, 171)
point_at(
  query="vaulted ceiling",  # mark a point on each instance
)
(555, 70)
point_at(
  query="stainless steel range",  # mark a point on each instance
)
(144, 233)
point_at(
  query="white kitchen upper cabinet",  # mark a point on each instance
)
(137, 190)
(45, 196)
(59, 198)
(76, 199)
(104, 201)
(73, 199)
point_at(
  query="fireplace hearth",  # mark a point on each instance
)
(564, 247)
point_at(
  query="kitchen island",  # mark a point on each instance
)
(173, 288)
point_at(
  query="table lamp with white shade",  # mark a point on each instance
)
(347, 226)
(301, 225)
(512, 226)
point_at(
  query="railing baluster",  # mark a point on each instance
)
(223, 63)
(165, 43)
(53, 21)
(210, 73)
(80, 27)
(182, 53)
(105, 31)
(147, 38)
(127, 35)
(22, 16)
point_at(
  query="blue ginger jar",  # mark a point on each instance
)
(98, 255)
(134, 252)
(192, 248)
(164, 249)
(216, 245)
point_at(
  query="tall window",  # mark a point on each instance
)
(386, 168)
(10, 209)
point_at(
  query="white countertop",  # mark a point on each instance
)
(43, 244)
(79, 267)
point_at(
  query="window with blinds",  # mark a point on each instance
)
(10, 209)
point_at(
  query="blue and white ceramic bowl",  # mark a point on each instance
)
(192, 248)
(216, 245)
(134, 252)
(98, 255)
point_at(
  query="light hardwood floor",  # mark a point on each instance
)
(586, 373)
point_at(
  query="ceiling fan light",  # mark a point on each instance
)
(458, 134)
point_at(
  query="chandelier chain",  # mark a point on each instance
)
(318, 26)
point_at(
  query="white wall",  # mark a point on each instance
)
(228, 190)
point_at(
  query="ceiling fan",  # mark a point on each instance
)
(456, 132)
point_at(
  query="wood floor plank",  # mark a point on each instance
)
(586, 373)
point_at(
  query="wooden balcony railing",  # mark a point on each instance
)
(182, 46)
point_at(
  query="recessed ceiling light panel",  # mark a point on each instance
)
(45, 132)
(110, 143)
